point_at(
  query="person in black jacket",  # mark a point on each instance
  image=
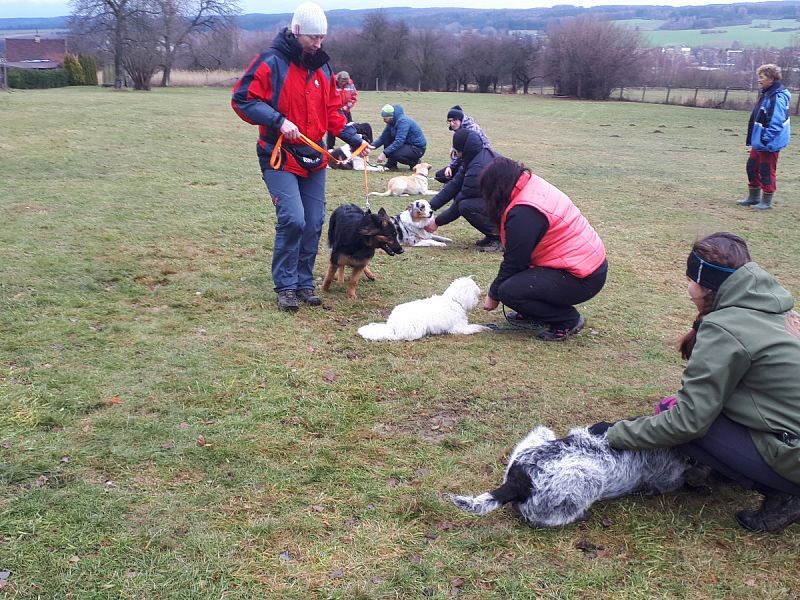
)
(464, 190)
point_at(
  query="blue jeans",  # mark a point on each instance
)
(300, 211)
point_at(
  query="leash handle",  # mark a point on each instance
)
(276, 159)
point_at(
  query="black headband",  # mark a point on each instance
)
(707, 274)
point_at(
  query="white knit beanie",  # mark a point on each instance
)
(309, 19)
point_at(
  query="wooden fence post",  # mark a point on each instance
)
(644, 89)
(620, 92)
(669, 89)
(694, 102)
(725, 97)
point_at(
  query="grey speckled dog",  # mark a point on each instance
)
(553, 482)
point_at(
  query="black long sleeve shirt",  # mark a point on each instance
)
(525, 227)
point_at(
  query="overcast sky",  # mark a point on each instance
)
(57, 8)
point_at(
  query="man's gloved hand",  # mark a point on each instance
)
(600, 428)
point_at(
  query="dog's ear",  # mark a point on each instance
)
(381, 212)
(410, 206)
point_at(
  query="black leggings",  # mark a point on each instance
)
(728, 448)
(548, 295)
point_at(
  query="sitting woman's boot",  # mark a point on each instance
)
(776, 513)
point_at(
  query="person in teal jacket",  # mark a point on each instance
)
(768, 133)
(738, 410)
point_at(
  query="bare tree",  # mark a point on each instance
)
(425, 54)
(177, 20)
(389, 41)
(109, 18)
(588, 57)
(483, 58)
(216, 49)
(523, 54)
(141, 57)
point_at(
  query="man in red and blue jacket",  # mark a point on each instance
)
(287, 91)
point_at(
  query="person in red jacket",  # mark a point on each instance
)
(287, 91)
(348, 95)
(552, 257)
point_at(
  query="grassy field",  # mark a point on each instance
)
(165, 432)
(779, 33)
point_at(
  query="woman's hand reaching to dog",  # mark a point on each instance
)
(431, 227)
(490, 303)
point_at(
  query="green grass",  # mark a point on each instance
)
(137, 315)
(760, 33)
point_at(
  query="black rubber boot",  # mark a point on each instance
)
(775, 514)
(753, 197)
(766, 202)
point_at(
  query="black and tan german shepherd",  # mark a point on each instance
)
(353, 237)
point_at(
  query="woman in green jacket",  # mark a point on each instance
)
(738, 410)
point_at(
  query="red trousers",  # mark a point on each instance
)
(761, 167)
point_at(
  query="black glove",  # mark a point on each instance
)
(600, 428)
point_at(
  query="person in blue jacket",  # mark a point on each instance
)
(402, 139)
(767, 134)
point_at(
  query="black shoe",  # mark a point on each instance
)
(493, 246)
(287, 300)
(518, 321)
(776, 513)
(307, 296)
(391, 165)
(487, 239)
(559, 335)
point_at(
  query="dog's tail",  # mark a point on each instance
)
(516, 488)
(386, 193)
(479, 505)
(377, 332)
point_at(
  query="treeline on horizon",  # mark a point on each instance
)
(458, 19)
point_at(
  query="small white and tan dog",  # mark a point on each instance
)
(432, 316)
(411, 224)
(409, 185)
(348, 162)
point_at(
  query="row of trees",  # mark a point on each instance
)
(145, 36)
(585, 56)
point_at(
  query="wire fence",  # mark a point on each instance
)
(726, 99)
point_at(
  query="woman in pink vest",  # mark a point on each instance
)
(552, 258)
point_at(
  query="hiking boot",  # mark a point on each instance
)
(776, 513)
(753, 197)
(493, 246)
(391, 165)
(766, 202)
(521, 322)
(487, 239)
(307, 296)
(287, 300)
(561, 334)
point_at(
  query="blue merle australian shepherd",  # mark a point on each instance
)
(553, 482)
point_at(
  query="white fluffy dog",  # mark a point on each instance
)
(432, 316)
(553, 482)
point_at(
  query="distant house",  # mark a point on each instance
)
(36, 51)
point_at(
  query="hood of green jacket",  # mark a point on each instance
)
(752, 287)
